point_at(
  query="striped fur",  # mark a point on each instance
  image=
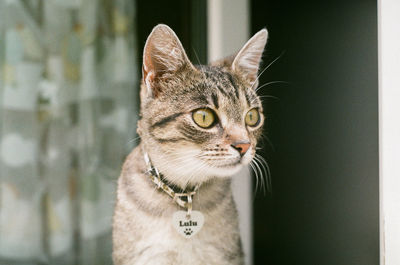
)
(186, 154)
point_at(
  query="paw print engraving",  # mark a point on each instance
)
(188, 231)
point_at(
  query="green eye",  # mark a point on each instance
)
(204, 117)
(252, 117)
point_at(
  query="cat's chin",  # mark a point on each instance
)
(226, 171)
(185, 175)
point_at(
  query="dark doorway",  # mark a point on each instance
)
(324, 205)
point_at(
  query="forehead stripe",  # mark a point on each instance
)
(215, 100)
(248, 98)
(222, 90)
(230, 77)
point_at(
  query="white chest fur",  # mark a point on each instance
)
(144, 232)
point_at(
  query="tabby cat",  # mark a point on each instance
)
(199, 125)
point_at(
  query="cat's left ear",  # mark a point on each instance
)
(163, 54)
(248, 59)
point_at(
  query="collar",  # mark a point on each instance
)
(178, 194)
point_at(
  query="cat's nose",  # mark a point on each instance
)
(241, 147)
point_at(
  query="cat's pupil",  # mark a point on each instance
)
(204, 117)
(251, 116)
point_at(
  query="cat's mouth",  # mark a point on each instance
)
(230, 165)
(226, 168)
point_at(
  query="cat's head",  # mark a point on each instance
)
(199, 122)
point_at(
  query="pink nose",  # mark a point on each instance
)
(241, 147)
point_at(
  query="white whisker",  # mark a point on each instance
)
(264, 164)
(270, 83)
(271, 63)
(256, 175)
(261, 175)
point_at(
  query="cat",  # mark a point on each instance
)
(198, 126)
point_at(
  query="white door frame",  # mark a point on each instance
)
(389, 130)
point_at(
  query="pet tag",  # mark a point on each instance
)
(188, 226)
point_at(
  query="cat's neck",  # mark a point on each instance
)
(162, 182)
(180, 177)
(141, 188)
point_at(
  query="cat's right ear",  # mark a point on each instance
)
(163, 54)
(247, 60)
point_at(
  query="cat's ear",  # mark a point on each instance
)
(163, 53)
(248, 59)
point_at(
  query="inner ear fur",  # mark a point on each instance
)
(163, 53)
(247, 60)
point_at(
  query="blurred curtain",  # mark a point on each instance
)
(68, 102)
